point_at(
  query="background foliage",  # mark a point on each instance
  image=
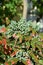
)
(39, 7)
(12, 9)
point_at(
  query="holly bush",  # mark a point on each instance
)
(21, 41)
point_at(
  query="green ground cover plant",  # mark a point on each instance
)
(21, 41)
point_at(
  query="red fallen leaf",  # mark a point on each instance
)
(0, 42)
(5, 52)
(6, 63)
(13, 54)
(10, 49)
(7, 49)
(4, 41)
(29, 62)
(15, 36)
(33, 34)
(5, 46)
(2, 30)
(12, 62)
